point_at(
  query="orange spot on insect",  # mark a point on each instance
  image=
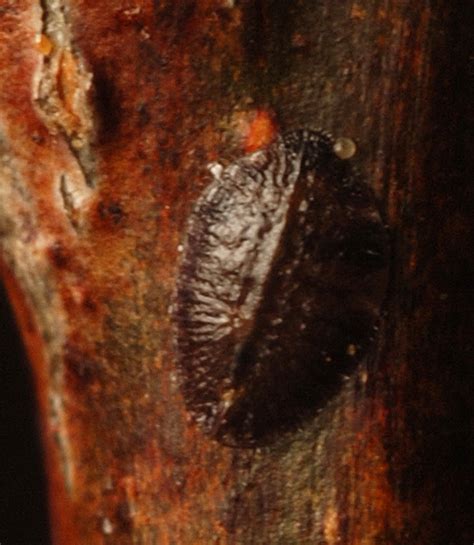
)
(255, 128)
(262, 131)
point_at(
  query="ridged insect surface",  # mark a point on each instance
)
(283, 272)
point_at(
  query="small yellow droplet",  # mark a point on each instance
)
(77, 143)
(344, 148)
(45, 45)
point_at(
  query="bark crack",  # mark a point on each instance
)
(70, 202)
(62, 93)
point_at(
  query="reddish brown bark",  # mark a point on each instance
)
(110, 114)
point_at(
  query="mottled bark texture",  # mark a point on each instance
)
(110, 113)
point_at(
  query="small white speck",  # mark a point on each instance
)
(107, 526)
(180, 248)
(215, 169)
(132, 11)
(200, 419)
(303, 206)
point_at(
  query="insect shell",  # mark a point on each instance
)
(283, 271)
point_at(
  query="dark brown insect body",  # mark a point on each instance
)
(283, 272)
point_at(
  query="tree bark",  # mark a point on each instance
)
(110, 114)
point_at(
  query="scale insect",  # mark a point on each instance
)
(283, 272)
